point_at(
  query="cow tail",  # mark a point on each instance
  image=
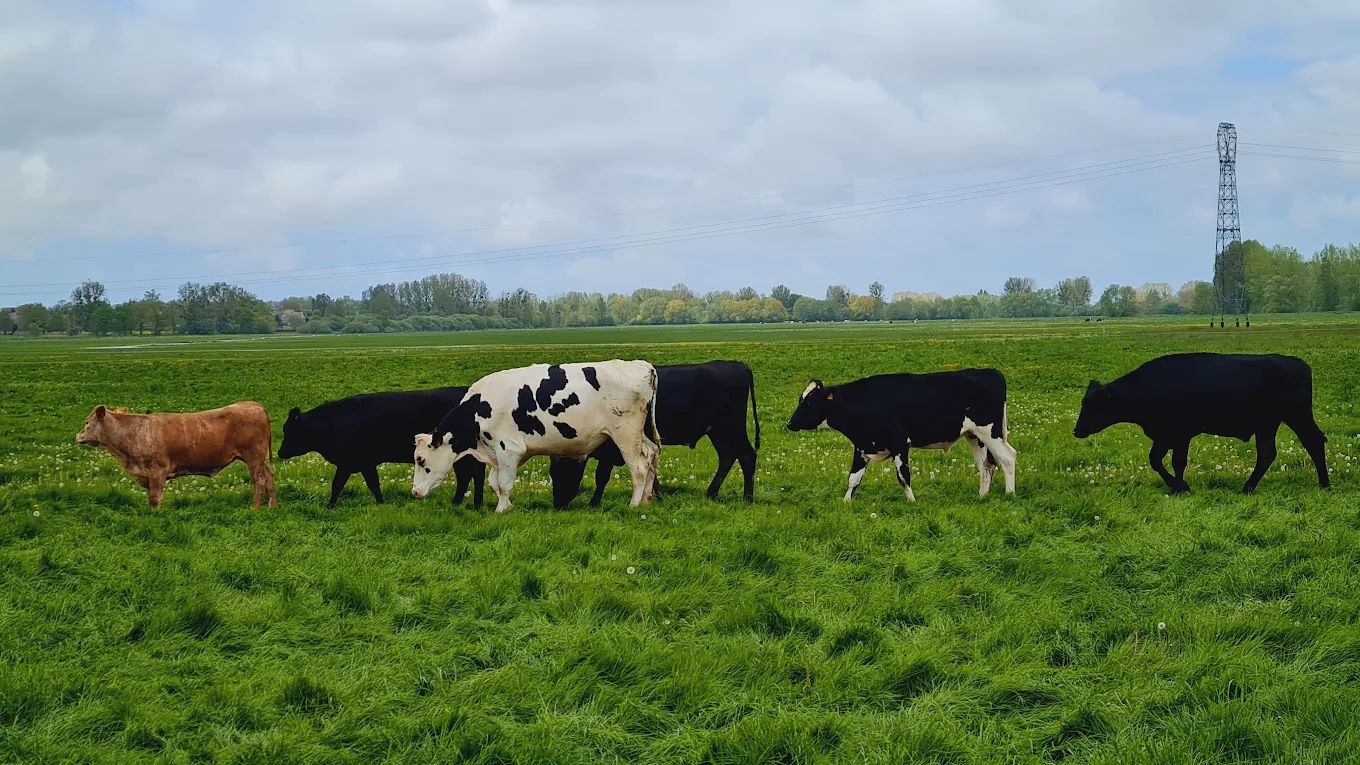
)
(755, 417)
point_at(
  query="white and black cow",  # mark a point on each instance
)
(562, 410)
(707, 399)
(886, 415)
(1176, 397)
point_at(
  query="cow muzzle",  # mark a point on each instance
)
(418, 494)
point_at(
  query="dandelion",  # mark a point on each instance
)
(631, 570)
(1097, 517)
(644, 517)
(613, 557)
(35, 513)
(1161, 625)
(667, 622)
(873, 515)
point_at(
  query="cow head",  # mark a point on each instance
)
(298, 436)
(98, 427)
(434, 458)
(1097, 411)
(813, 407)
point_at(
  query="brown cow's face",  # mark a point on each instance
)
(96, 427)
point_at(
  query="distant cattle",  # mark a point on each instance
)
(154, 448)
(562, 410)
(693, 401)
(1177, 397)
(359, 433)
(886, 415)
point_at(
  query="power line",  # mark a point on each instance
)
(672, 208)
(755, 224)
(608, 241)
(1308, 132)
(1336, 160)
(1303, 148)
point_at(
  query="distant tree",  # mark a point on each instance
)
(681, 292)
(653, 310)
(1118, 300)
(865, 307)
(837, 293)
(747, 293)
(34, 318)
(320, 303)
(8, 325)
(876, 291)
(1016, 285)
(1075, 294)
(85, 299)
(677, 312)
(622, 310)
(807, 309)
(784, 295)
(1329, 285)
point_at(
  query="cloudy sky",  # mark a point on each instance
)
(324, 145)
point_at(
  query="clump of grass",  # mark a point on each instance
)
(302, 695)
(199, 620)
(348, 595)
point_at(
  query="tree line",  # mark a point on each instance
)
(1278, 280)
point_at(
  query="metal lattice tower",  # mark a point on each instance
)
(1230, 278)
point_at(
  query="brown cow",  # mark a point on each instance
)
(154, 448)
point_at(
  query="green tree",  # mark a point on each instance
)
(807, 309)
(622, 310)
(865, 307)
(1018, 285)
(838, 294)
(784, 295)
(653, 310)
(34, 318)
(320, 303)
(8, 325)
(876, 291)
(1329, 284)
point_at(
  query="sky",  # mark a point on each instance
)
(327, 145)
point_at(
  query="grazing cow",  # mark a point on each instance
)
(565, 410)
(885, 415)
(359, 433)
(1176, 397)
(154, 448)
(693, 401)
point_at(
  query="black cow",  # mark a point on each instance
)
(1177, 397)
(692, 401)
(886, 415)
(359, 433)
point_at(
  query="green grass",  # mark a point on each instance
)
(797, 629)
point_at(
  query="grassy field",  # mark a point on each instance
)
(1090, 618)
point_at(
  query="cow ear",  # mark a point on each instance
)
(100, 411)
(294, 412)
(831, 394)
(1094, 385)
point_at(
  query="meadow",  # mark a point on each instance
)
(1089, 618)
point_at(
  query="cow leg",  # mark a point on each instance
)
(338, 484)
(604, 470)
(370, 474)
(904, 474)
(858, 464)
(725, 461)
(1156, 456)
(262, 480)
(503, 480)
(985, 467)
(640, 457)
(1265, 455)
(747, 459)
(1002, 452)
(464, 477)
(478, 485)
(155, 489)
(1180, 457)
(1310, 435)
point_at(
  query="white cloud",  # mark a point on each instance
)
(173, 125)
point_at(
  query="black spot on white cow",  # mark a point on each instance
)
(885, 416)
(693, 401)
(1176, 397)
(358, 433)
(616, 403)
